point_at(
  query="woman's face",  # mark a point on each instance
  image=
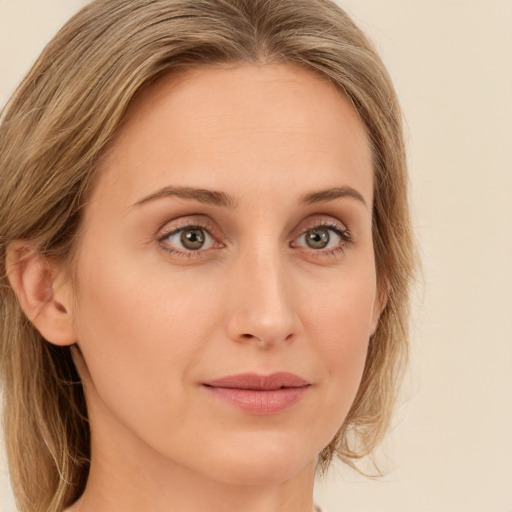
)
(229, 233)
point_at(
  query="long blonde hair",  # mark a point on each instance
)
(52, 134)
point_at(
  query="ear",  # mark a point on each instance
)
(43, 293)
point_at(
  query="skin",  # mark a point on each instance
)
(152, 326)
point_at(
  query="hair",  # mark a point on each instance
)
(53, 132)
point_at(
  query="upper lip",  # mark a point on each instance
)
(258, 382)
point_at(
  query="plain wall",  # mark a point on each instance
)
(451, 61)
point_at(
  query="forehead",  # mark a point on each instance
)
(242, 124)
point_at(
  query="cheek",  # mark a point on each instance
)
(340, 324)
(139, 332)
(342, 310)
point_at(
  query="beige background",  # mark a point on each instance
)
(452, 64)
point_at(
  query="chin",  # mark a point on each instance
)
(264, 463)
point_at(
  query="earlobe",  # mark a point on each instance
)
(33, 278)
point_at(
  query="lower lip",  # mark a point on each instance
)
(257, 402)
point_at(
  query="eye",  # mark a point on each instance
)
(188, 238)
(323, 237)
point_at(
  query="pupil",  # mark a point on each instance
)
(193, 239)
(318, 238)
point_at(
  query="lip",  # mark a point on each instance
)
(259, 394)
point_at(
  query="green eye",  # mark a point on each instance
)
(188, 239)
(317, 238)
(324, 237)
(192, 239)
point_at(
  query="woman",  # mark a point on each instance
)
(204, 219)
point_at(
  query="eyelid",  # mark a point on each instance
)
(176, 232)
(340, 230)
(185, 222)
(326, 254)
(326, 221)
(188, 222)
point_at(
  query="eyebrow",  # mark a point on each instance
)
(199, 194)
(330, 194)
(217, 198)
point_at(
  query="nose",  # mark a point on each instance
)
(262, 308)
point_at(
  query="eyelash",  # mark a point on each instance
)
(183, 254)
(343, 233)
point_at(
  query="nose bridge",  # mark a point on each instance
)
(262, 307)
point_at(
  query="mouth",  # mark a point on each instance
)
(259, 394)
